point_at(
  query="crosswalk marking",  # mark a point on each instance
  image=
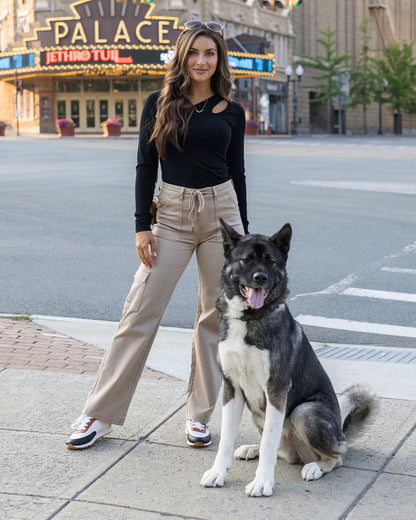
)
(356, 326)
(347, 287)
(384, 295)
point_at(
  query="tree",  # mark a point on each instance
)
(399, 69)
(365, 82)
(328, 85)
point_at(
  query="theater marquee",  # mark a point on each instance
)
(111, 37)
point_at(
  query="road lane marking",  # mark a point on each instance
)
(385, 187)
(356, 326)
(384, 295)
(399, 270)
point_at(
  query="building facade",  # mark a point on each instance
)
(90, 60)
(389, 20)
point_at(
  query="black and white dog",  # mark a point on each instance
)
(269, 364)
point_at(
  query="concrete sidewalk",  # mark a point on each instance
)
(144, 470)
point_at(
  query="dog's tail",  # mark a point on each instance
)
(359, 406)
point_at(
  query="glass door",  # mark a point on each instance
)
(90, 112)
(75, 111)
(61, 109)
(132, 107)
(103, 110)
(119, 110)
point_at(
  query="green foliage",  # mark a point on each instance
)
(399, 69)
(365, 82)
(327, 85)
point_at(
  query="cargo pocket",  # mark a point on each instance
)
(135, 296)
(169, 216)
(227, 208)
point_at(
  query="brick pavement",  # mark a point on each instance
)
(25, 345)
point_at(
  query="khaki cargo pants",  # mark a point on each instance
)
(188, 221)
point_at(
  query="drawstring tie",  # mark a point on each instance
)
(196, 205)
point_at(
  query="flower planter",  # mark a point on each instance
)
(251, 130)
(112, 130)
(2, 129)
(66, 131)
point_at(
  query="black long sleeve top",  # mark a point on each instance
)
(212, 153)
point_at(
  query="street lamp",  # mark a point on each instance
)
(299, 73)
(380, 109)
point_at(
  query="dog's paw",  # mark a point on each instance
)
(311, 471)
(213, 478)
(247, 452)
(260, 488)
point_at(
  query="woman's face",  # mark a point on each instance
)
(202, 59)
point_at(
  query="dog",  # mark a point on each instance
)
(268, 363)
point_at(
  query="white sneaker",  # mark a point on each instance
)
(197, 434)
(87, 431)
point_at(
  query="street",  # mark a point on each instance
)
(67, 231)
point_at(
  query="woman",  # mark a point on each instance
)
(198, 136)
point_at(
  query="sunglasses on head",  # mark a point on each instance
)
(196, 24)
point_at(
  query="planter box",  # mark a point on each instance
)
(251, 130)
(66, 131)
(112, 130)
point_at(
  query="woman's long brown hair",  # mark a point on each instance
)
(171, 119)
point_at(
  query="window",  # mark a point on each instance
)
(96, 85)
(125, 86)
(151, 85)
(68, 86)
(281, 49)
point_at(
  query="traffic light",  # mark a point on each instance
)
(19, 85)
(279, 4)
(273, 4)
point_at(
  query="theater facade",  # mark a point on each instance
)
(100, 62)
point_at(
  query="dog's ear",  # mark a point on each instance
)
(282, 239)
(230, 236)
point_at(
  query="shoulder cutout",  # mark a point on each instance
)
(220, 107)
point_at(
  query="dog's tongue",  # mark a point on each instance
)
(255, 297)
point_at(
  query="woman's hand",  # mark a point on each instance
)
(146, 247)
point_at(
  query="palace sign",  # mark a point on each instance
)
(107, 22)
(111, 37)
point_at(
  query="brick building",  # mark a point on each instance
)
(390, 20)
(89, 60)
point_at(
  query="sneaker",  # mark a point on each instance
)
(197, 434)
(87, 431)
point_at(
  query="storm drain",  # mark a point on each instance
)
(374, 354)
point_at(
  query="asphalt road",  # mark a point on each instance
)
(67, 231)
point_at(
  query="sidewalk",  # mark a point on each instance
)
(144, 470)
